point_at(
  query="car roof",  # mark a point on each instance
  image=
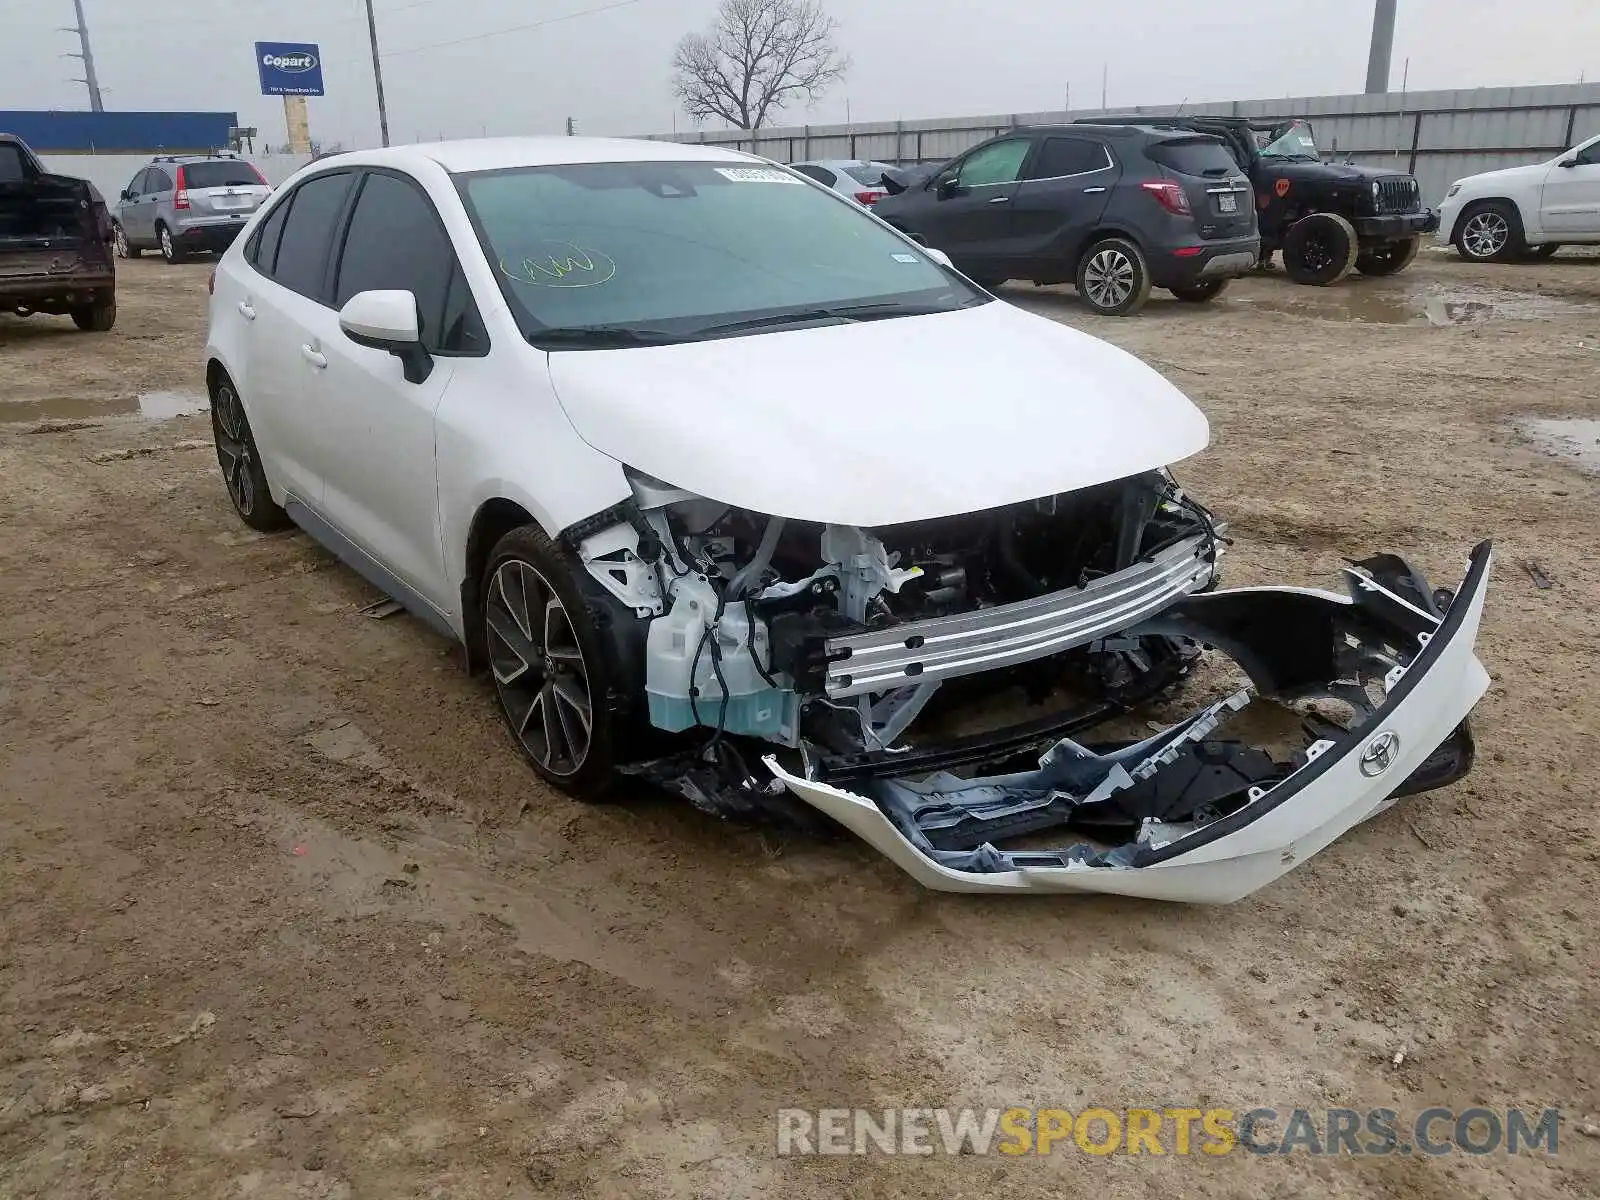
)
(493, 154)
(839, 162)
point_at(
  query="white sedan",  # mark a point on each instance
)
(1525, 212)
(861, 180)
(571, 402)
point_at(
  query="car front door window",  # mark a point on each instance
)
(995, 164)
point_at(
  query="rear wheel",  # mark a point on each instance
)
(241, 462)
(98, 317)
(1490, 232)
(170, 249)
(1390, 259)
(1113, 278)
(1320, 249)
(1199, 293)
(551, 674)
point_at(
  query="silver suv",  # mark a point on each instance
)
(185, 203)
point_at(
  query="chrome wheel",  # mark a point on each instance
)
(1485, 234)
(232, 434)
(1109, 278)
(538, 667)
(119, 241)
(167, 249)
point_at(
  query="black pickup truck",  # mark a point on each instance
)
(55, 243)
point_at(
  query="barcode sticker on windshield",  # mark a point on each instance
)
(906, 258)
(756, 175)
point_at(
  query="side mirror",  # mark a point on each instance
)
(1569, 162)
(949, 187)
(388, 321)
(127, 194)
(938, 256)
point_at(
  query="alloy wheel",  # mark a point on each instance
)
(232, 434)
(539, 669)
(1109, 278)
(119, 241)
(1485, 234)
(166, 244)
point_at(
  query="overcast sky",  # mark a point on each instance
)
(912, 58)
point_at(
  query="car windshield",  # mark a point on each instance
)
(643, 252)
(1295, 142)
(219, 174)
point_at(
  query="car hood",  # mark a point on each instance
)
(1326, 172)
(1531, 173)
(878, 422)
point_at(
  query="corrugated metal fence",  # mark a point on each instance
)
(1437, 136)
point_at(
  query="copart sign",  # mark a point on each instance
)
(289, 68)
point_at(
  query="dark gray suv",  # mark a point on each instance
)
(1116, 210)
(181, 204)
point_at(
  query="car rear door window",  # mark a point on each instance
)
(1203, 157)
(994, 164)
(1060, 156)
(390, 213)
(304, 244)
(156, 180)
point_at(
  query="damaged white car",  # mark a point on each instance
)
(573, 403)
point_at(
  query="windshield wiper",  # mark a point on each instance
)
(603, 337)
(844, 312)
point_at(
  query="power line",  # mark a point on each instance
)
(478, 37)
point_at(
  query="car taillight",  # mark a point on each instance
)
(180, 198)
(869, 198)
(258, 174)
(1169, 195)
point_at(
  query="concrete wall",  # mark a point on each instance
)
(1439, 136)
(113, 172)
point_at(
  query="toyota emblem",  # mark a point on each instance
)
(1380, 753)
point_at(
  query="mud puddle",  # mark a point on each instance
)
(149, 406)
(1576, 439)
(1437, 307)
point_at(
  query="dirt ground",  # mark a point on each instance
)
(282, 913)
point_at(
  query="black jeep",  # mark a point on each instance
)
(1328, 218)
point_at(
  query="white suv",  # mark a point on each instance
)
(569, 401)
(1525, 212)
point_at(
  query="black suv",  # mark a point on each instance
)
(1114, 209)
(1328, 218)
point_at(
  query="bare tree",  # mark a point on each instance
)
(757, 57)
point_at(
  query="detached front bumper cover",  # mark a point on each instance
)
(1405, 665)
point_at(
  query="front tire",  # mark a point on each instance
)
(241, 461)
(1113, 278)
(98, 317)
(120, 244)
(171, 250)
(552, 675)
(1490, 232)
(1390, 259)
(1202, 292)
(1320, 249)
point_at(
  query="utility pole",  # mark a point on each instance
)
(377, 75)
(90, 79)
(571, 129)
(1382, 52)
(1105, 76)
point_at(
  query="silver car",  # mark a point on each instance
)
(183, 204)
(861, 181)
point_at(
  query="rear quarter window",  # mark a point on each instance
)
(1194, 156)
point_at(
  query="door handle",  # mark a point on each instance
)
(313, 356)
(1001, 200)
(248, 313)
(1093, 191)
